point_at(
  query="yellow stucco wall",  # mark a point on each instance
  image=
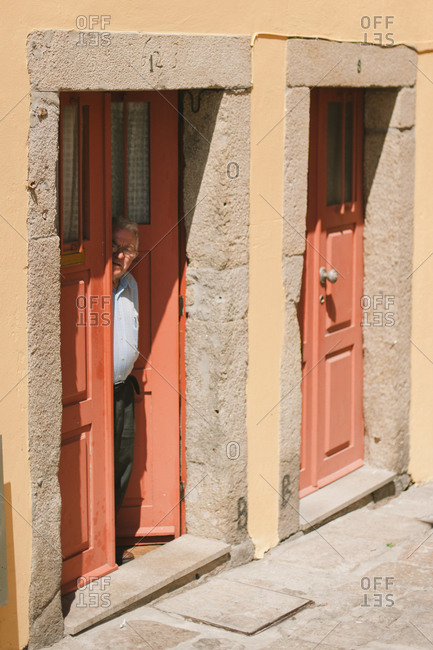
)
(411, 24)
(266, 304)
(421, 413)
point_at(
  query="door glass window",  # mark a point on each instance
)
(348, 149)
(333, 184)
(117, 160)
(130, 161)
(340, 120)
(85, 171)
(70, 174)
(74, 169)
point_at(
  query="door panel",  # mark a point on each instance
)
(74, 338)
(330, 313)
(339, 297)
(76, 499)
(338, 400)
(151, 507)
(86, 460)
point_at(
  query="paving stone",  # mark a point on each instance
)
(233, 606)
(291, 643)
(315, 550)
(338, 634)
(404, 573)
(418, 550)
(423, 556)
(384, 616)
(217, 644)
(417, 605)
(347, 599)
(409, 634)
(132, 633)
(377, 525)
(428, 518)
(354, 634)
(330, 549)
(415, 502)
(375, 645)
(294, 579)
(68, 643)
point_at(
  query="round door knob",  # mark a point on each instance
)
(331, 275)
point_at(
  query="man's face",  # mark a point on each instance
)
(121, 259)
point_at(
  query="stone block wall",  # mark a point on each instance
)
(389, 176)
(216, 204)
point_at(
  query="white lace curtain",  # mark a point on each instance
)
(135, 137)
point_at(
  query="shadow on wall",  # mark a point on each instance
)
(378, 110)
(9, 633)
(207, 103)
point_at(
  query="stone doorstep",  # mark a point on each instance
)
(334, 499)
(144, 579)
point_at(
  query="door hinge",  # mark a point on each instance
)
(180, 305)
(182, 490)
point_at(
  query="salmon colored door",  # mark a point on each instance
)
(330, 310)
(118, 157)
(86, 461)
(144, 162)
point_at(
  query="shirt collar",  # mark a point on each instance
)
(123, 282)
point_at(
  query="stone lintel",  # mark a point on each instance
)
(317, 62)
(91, 60)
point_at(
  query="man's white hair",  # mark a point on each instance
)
(124, 224)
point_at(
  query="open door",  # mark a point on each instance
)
(144, 162)
(86, 460)
(118, 157)
(330, 310)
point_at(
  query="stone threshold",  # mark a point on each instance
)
(138, 582)
(347, 493)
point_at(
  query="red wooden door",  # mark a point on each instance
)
(119, 157)
(86, 461)
(144, 136)
(330, 310)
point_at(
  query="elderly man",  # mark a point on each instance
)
(125, 352)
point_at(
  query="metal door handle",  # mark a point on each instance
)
(331, 275)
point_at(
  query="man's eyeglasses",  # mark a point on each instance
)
(126, 250)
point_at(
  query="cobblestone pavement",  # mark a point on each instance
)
(369, 575)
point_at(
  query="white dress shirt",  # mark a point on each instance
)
(125, 327)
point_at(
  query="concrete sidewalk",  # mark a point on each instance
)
(369, 575)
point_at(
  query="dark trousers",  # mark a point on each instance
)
(124, 434)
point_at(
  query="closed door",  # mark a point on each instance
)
(330, 310)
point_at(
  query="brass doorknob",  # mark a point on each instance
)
(331, 275)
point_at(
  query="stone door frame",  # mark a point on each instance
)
(388, 75)
(214, 73)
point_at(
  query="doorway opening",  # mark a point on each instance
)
(330, 307)
(118, 158)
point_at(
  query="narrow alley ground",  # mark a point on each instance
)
(369, 575)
